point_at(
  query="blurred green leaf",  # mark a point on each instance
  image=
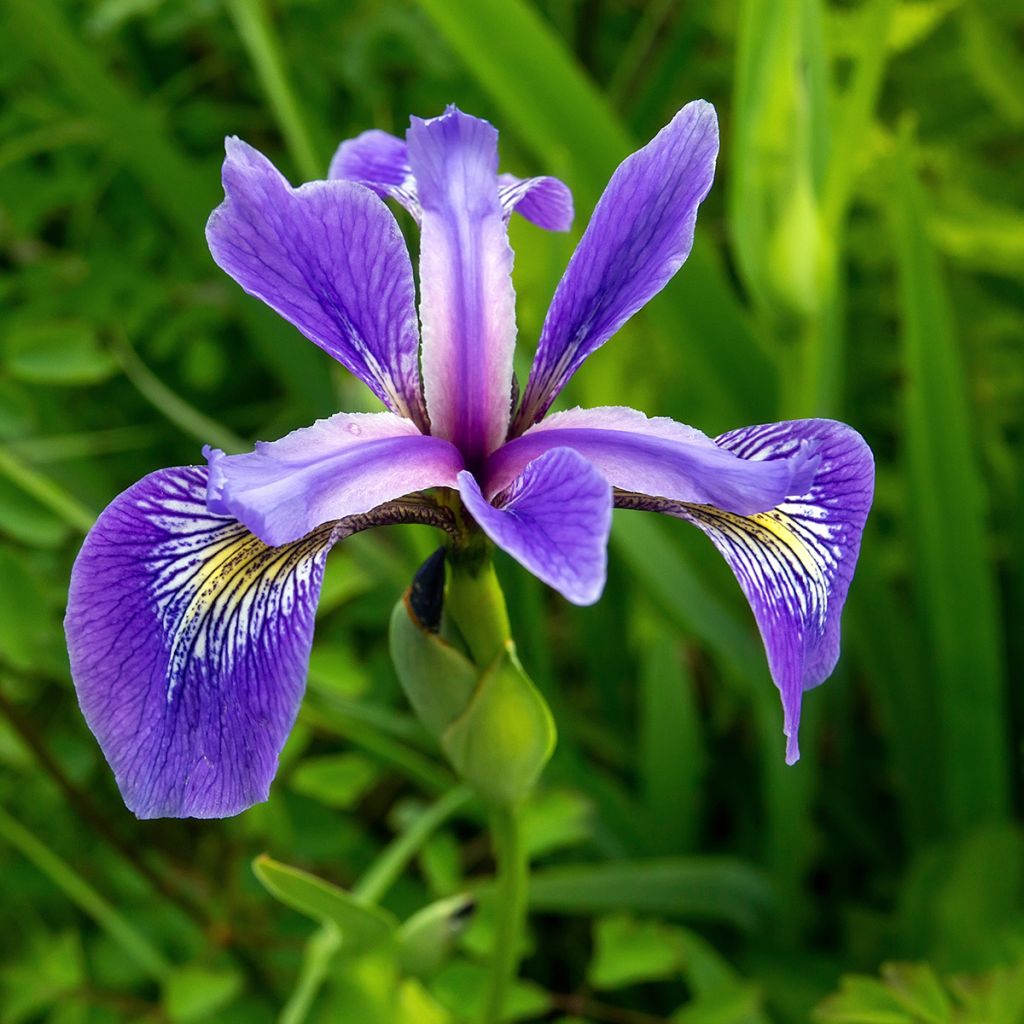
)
(24, 615)
(51, 968)
(461, 987)
(193, 994)
(705, 888)
(67, 354)
(628, 951)
(555, 819)
(337, 780)
(945, 523)
(362, 927)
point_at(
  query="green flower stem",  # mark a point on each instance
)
(510, 894)
(476, 604)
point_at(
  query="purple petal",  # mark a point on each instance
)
(342, 466)
(657, 457)
(467, 305)
(795, 563)
(546, 202)
(329, 257)
(554, 520)
(189, 641)
(639, 236)
(381, 162)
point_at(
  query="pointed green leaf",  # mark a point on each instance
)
(363, 927)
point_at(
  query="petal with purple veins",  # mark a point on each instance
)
(639, 236)
(657, 457)
(554, 519)
(189, 641)
(794, 563)
(338, 467)
(328, 257)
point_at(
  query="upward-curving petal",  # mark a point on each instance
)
(795, 562)
(329, 257)
(338, 467)
(467, 305)
(189, 641)
(639, 236)
(380, 161)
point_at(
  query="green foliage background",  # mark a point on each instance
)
(859, 257)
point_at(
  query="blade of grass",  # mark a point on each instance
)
(44, 490)
(257, 35)
(945, 524)
(705, 888)
(173, 406)
(669, 743)
(135, 945)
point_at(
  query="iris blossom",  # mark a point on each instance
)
(191, 610)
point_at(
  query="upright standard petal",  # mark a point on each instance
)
(189, 641)
(381, 162)
(794, 563)
(639, 236)
(329, 257)
(658, 457)
(467, 305)
(554, 519)
(338, 467)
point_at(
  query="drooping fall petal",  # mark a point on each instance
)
(795, 562)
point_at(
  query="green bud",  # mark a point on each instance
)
(437, 678)
(506, 735)
(492, 724)
(427, 939)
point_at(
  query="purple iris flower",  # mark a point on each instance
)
(191, 608)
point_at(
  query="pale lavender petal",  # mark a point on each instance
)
(189, 642)
(381, 162)
(338, 467)
(467, 305)
(657, 457)
(639, 236)
(554, 519)
(795, 563)
(329, 257)
(545, 201)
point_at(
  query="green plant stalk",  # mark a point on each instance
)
(510, 895)
(254, 28)
(476, 604)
